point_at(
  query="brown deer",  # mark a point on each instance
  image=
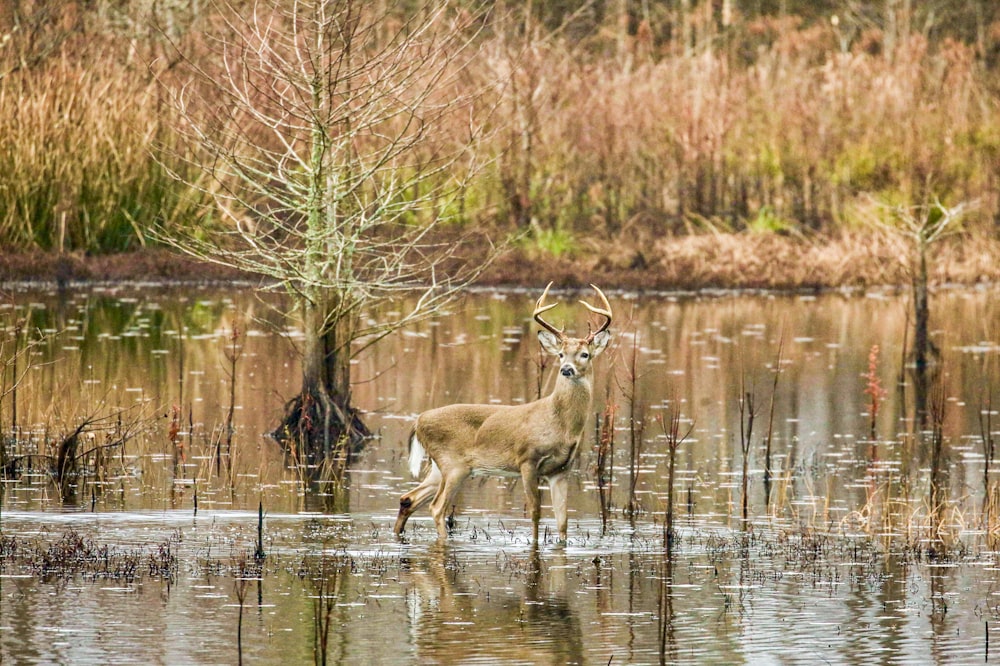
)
(540, 439)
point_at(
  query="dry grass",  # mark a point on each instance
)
(794, 139)
(704, 261)
(81, 126)
(746, 161)
(749, 261)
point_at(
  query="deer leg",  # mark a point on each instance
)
(559, 489)
(451, 481)
(417, 497)
(529, 477)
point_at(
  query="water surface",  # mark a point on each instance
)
(837, 562)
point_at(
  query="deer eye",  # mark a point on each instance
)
(561, 354)
(584, 355)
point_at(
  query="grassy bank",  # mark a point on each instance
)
(742, 261)
(706, 261)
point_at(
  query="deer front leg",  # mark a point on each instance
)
(417, 497)
(529, 477)
(559, 489)
(451, 480)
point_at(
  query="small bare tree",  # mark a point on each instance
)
(920, 228)
(337, 144)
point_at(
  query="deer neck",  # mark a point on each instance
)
(571, 400)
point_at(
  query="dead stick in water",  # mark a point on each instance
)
(259, 554)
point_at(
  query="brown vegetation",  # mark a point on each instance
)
(672, 147)
(150, 264)
(742, 261)
(704, 261)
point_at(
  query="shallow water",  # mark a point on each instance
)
(725, 598)
(834, 565)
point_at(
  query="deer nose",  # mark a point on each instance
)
(567, 370)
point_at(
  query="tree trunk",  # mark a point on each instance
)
(921, 308)
(320, 422)
(925, 353)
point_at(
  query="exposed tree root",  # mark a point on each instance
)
(321, 427)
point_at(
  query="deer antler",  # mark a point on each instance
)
(604, 312)
(540, 307)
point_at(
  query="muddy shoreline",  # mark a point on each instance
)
(689, 263)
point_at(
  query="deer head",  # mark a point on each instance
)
(575, 354)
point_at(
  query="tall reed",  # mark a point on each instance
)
(232, 354)
(636, 425)
(771, 126)
(794, 139)
(82, 138)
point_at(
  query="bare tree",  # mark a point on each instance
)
(920, 228)
(337, 141)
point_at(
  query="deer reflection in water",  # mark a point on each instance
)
(454, 622)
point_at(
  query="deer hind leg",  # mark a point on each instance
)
(529, 477)
(451, 481)
(559, 489)
(418, 497)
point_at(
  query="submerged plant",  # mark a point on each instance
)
(770, 424)
(175, 439)
(605, 456)
(672, 431)
(233, 354)
(938, 497)
(326, 576)
(989, 453)
(873, 389)
(747, 414)
(636, 425)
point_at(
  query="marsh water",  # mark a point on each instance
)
(868, 540)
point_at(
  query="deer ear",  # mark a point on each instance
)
(599, 342)
(550, 342)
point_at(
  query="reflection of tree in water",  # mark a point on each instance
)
(923, 376)
(453, 620)
(327, 578)
(665, 613)
(328, 496)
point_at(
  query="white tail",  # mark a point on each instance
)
(416, 455)
(540, 439)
